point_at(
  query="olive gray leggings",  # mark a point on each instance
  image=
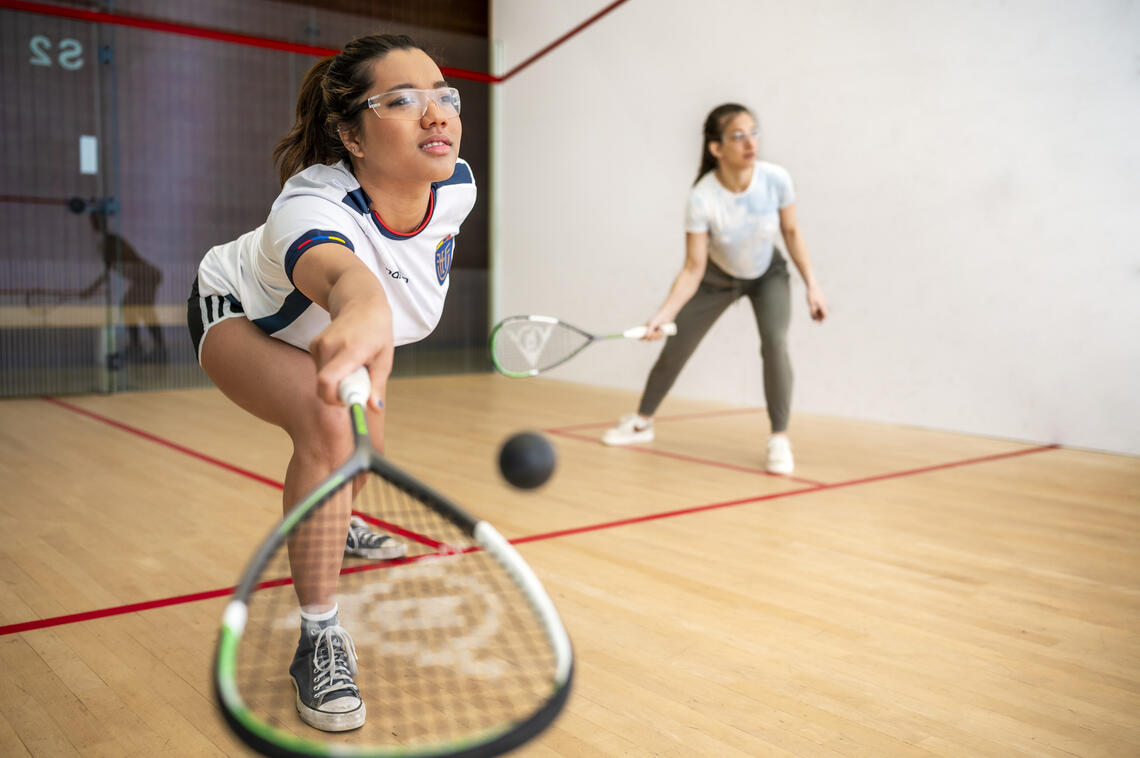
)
(770, 296)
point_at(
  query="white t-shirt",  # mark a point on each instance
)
(325, 204)
(742, 227)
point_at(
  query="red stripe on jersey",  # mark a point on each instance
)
(418, 229)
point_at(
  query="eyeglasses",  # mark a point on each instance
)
(740, 135)
(410, 104)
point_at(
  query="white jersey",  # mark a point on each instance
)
(326, 204)
(742, 226)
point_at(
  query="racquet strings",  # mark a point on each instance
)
(447, 644)
(523, 346)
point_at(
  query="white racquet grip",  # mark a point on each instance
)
(637, 332)
(356, 388)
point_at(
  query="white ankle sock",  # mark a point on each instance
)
(318, 616)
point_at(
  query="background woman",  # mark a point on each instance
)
(736, 208)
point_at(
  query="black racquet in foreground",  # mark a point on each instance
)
(456, 648)
(528, 345)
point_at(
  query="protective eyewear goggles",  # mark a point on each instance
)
(410, 104)
(739, 135)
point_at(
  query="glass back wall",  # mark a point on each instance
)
(128, 152)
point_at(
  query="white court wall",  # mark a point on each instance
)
(968, 184)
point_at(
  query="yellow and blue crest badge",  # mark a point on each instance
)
(443, 254)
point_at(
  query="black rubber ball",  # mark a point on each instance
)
(526, 460)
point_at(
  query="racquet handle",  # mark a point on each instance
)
(356, 388)
(637, 332)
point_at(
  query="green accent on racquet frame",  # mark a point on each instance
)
(302, 510)
(358, 420)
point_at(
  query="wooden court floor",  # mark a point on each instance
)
(907, 593)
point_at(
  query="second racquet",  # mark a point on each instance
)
(529, 345)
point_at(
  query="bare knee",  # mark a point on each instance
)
(321, 434)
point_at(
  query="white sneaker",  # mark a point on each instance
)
(780, 459)
(631, 430)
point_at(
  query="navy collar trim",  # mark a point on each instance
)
(358, 200)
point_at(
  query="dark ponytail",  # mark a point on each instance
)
(714, 131)
(332, 88)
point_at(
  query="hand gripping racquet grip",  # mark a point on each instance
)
(356, 388)
(637, 332)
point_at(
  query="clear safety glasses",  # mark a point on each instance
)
(739, 135)
(411, 104)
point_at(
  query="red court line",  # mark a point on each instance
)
(202, 32)
(941, 466)
(266, 43)
(560, 40)
(229, 467)
(662, 515)
(135, 607)
(776, 495)
(119, 610)
(687, 458)
(158, 25)
(389, 527)
(166, 443)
